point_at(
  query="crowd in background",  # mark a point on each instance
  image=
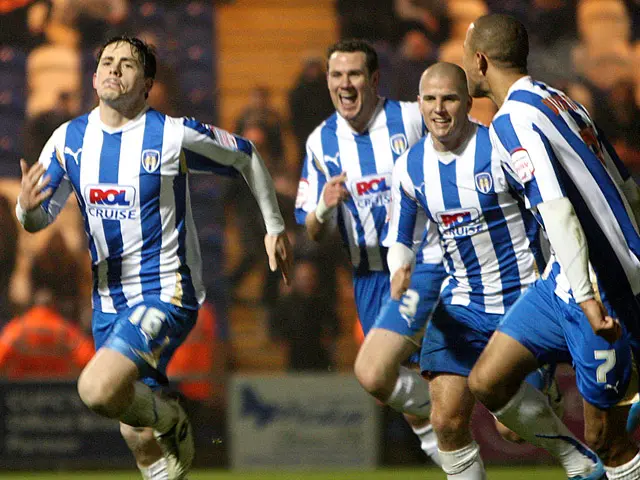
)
(47, 50)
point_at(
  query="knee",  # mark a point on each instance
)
(374, 377)
(481, 385)
(449, 426)
(95, 393)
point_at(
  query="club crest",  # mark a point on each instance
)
(484, 182)
(398, 143)
(150, 160)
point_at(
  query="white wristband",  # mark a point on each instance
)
(323, 212)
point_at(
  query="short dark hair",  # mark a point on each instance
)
(356, 45)
(503, 39)
(144, 52)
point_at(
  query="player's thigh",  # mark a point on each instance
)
(529, 335)
(148, 334)
(371, 292)
(384, 349)
(454, 339)
(409, 315)
(107, 373)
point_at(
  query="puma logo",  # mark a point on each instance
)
(73, 154)
(336, 159)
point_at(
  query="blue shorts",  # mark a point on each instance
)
(371, 291)
(555, 331)
(455, 338)
(409, 315)
(148, 334)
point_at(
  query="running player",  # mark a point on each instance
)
(569, 175)
(127, 165)
(491, 250)
(346, 180)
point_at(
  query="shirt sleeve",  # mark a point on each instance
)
(527, 158)
(52, 159)
(312, 181)
(210, 149)
(403, 211)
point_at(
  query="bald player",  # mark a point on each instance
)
(491, 253)
(568, 175)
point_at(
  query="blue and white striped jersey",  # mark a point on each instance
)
(368, 159)
(131, 186)
(490, 241)
(550, 148)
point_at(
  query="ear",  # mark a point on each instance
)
(375, 79)
(482, 63)
(94, 81)
(148, 83)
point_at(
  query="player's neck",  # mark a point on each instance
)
(501, 83)
(117, 116)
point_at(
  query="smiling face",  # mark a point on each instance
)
(445, 105)
(352, 87)
(119, 79)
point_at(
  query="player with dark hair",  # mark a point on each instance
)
(571, 178)
(346, 182)
(128, 166)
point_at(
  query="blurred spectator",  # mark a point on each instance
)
(46, 342)
(305, 322)
(372, 20)
(165, 95)
(619, 118)
(309, 102)
(8, 254)
(261, 112)
(40, 127)
(415, 54)
(23, 22)
(431, 15)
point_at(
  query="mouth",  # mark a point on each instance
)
(348, 100)
(441, 122)
(110, 83)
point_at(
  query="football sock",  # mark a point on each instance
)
(628, 471)
(428, 443)
(149, 410)
(529, 415)
(410, 394)
(155, 471)
(463, 464)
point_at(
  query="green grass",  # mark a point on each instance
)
(494, 473)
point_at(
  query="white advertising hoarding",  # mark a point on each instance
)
(302, 421)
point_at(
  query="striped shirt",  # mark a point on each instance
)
(131, 186)
(489, 239)
(550, 149)
(368, 159)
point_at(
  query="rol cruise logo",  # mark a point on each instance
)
(110, 202)
(150, 160)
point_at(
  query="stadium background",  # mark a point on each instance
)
(255, 67)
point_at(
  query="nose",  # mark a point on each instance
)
(344, 81)
(115, 69)
(439, 106)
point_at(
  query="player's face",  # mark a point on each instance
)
(444, 106)
(352, 87)
(477, 84)
(119, 78)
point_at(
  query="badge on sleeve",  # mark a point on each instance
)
(522, 164)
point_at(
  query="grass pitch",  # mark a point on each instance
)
(493, 473)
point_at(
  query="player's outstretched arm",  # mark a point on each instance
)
(33, 191)
(333, 194)
(280, 254)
